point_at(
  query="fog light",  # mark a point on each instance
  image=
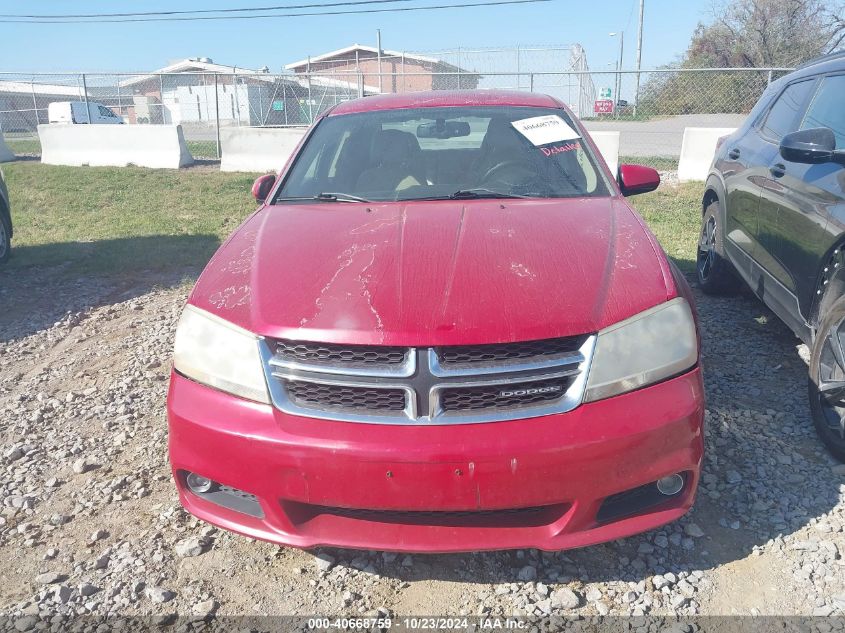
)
(670, 485)
(198, 483)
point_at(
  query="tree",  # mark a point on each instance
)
(745, 34)
(757, 33)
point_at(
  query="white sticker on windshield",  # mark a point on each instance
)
(542, 130)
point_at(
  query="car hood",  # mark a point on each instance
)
(436, 273)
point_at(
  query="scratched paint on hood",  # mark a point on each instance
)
(436, 273)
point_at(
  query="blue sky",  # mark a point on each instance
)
(253, 43)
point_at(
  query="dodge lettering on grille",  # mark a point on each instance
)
(529, 392)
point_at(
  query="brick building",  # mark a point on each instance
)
(391, 71)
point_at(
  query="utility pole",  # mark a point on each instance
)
(617, 96)
(217, 115)
(639, 57)
(87, 105)
(378, 45)
(619, 75)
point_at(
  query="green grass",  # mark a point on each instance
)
(663, 163)
(626, 115)
(121, 220)
(202, 149)
(24, 146)
(674, 215)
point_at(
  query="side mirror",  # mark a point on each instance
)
(634, 179)
(813, 146)
(262, 186)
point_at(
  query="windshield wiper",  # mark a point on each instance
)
(476, 193)
(326, 196)
(340, 197)
(481, 192)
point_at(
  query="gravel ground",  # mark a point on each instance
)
(90, 521)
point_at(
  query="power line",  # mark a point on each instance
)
(58, 16)
(272, 15)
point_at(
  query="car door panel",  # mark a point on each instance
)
(741, 171)
(801, 203)
(800, 200)
(748, 159)
(784, 117)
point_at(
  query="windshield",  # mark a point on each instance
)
(443, 153)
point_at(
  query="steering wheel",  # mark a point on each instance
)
(495, 169)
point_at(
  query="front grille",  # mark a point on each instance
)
(508, 352)
(329, 353)
(301, 513)
(503, 396)
(444, 385)
(338, 397)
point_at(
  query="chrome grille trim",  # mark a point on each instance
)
(284, 402)
(401, 370)
(480, 397)
(424, 385)
(568, 401)
(309, 394)
(491, 354)
(563, 360)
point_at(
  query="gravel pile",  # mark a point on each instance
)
(90, 523)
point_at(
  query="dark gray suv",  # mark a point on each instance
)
(774, 218)
(5, 222)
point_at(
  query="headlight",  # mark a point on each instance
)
(651, 346)
(219, 354)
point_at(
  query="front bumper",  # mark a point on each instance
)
(536, 483)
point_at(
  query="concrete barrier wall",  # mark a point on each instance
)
(697, 150)
(5, 153)
(160, 146)
(608, 144)
(257, 149)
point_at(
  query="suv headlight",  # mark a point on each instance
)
(219, 354)
(647, 348)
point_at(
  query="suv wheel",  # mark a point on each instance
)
(5, 241)
(716, 275)
(827, 380)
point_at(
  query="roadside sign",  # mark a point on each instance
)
(605, 93)
(603, 106)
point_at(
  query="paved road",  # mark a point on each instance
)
(660, 137)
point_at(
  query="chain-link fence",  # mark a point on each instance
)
(202, 103)
(649, 108)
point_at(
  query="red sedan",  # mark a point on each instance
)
(443, 329)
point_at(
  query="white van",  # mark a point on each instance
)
(77, 112)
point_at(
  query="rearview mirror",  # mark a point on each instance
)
(443, 129)
(813, 147)
(262, 186)
(634, 179)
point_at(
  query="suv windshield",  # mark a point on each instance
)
(444, 153)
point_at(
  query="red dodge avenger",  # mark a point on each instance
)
(443, 329)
